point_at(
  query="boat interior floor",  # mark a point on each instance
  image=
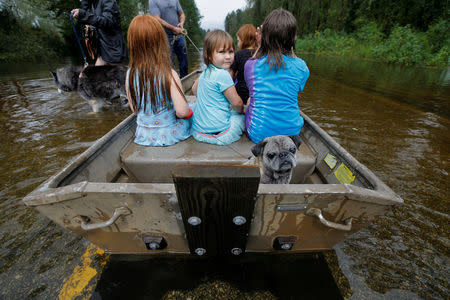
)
(139, 162)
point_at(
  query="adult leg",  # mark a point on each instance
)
(181, 52)
(100, 61)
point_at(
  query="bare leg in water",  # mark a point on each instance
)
(100, 61)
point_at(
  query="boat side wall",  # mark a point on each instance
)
(86, 187)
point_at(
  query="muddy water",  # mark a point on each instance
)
(395, 120)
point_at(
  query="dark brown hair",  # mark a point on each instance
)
(247, 35)
(149, 56)
(278, 34)
(216, 40)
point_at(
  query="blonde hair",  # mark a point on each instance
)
(216, 40)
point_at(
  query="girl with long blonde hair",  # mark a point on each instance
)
(153, 87)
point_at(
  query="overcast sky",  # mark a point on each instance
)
(215, 11)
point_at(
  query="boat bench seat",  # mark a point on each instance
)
(155, 164)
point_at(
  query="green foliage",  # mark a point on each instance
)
(328, 41)
(402, 31)
(28, 31)
(441, 58)
(61, 10)
(128, 10)
(236, 19)
(404, 45)
(388, 13)
(368, 31)
(33, 30)
(439, 34)
(192, 23)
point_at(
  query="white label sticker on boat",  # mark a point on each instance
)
(330, 160)
(344, 175)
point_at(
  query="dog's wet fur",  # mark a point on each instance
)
(277, 157)
(98, 85)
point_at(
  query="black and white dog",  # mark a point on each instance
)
(98, 85)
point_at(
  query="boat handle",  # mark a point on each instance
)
(120, 211)
(318, 213)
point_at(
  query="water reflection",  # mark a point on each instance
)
(406, 143)
(36, 124)
(444, 79)
(41, 131)
(427, 89)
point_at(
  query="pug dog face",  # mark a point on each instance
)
(278, 158)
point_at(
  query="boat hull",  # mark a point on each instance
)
(115, 174)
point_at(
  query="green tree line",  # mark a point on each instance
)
(39, 30)
(403, 31)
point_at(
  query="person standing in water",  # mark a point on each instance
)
(104, 15)
(171, 16)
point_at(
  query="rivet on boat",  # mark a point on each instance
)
(200, 251)
(194, 221)
(236, 251)
(239, 220)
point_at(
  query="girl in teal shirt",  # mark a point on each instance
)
(218, 117)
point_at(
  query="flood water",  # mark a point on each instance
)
(393, 119)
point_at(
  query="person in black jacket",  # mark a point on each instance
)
(104, 15)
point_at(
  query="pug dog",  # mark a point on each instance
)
(277, 157)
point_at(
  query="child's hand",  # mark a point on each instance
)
(258, 35)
